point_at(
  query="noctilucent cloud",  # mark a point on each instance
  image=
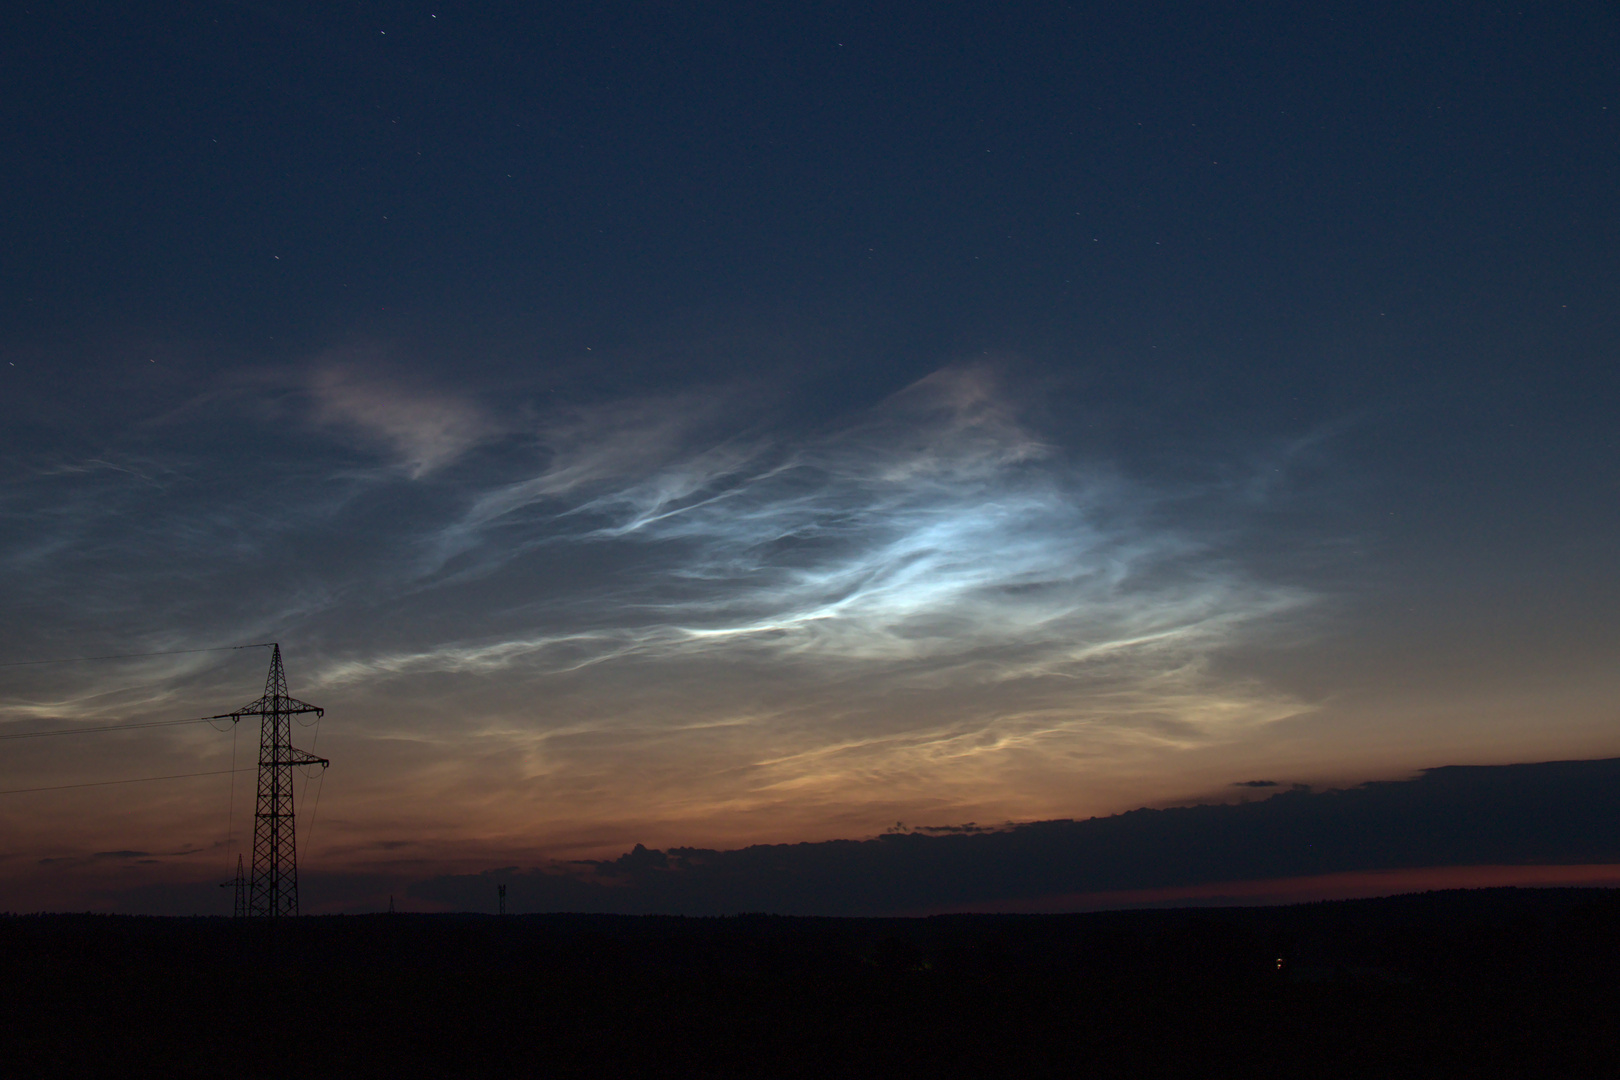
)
(710, 426)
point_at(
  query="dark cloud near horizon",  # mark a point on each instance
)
(1551, 813)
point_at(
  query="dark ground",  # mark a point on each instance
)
(1486, 983)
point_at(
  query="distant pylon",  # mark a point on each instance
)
(273, 889)
(239, 896)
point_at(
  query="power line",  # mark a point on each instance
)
(230, 807)
(133, 655)
(113, 727)
(309, 830)
(108, 783)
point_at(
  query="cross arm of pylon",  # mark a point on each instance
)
(296, 756)
(264, 705)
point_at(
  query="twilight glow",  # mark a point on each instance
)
(656, 429)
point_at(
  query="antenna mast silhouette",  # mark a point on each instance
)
(273, 888)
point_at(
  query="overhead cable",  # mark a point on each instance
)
(108, 783)
(112, 727)
(132, 656)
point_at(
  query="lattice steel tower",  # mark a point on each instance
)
(238, 885)
(273, 888)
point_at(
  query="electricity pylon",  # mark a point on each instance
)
(239, 895)
(273, 888)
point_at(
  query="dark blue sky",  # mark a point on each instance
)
(699, 424)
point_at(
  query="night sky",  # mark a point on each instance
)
(709, 425)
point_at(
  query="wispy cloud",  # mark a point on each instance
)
(935, 542)
(423, 429)
(665, 606)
